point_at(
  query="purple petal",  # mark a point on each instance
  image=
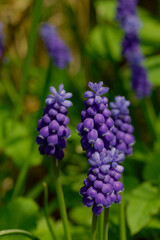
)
(68, 95)
(91, 85)
(103, 90)
(49, 101)
(88, 94)
(67, 103)
(53, 90)
(61, 86)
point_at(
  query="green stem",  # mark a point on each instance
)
(46, 210)
(18, 232)
(38, 188)
(46, 85)
(21, 179)
(159, 10)
(105, 227)
(122, 220)
(100, 225)
(61, 200)
(36, 15)
(10, 89)
(150, 115)
(93, 227)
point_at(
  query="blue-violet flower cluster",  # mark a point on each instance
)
(106, 142)
(102, 186)
(123, 128)
(127, 16)
(55, 46)
(52, 127)
(96, 124)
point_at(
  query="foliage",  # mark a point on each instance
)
(91, 31)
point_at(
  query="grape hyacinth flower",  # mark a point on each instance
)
(96, 123)
(139, 83)
(52, 127)
(56, 47)
(102, 186)
(123, 128)
(129, 22)
(1, 39)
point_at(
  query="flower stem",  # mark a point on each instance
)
(46, 86)
(61, 200)
(93, 227)
(122, 220)
(36, 15)
(18, 232)
(100, 225)
(21, 179)
(10, 89)
(159, 10)
(38, 188)
(105, 226)
(46, 210)
(150, 116)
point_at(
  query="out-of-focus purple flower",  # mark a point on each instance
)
(127, 17)
(125, 9)
(96, 123)
(131, 49)
(52, 127)
(102, 186)
(55, 46)
(1, 39)
(140, 82)
(123, 129)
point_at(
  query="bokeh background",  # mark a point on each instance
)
(94, 37)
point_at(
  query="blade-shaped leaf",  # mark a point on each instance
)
(143, 203)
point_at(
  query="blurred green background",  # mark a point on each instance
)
(94, 37)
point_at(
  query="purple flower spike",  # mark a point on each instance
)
(52, 127)
(123, 129)
(102, 186)
(96, 124)
(140, 82)
(55, 46)
(127, 17)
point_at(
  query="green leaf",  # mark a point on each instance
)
(154, 223)
(151, 170)
(42, 230)
(143, 203)
(104, 41)
(15, 237)
(150, 33)
(153, 66)
(17, 142)
(106, 10)
(78, 214)
(20, 213)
